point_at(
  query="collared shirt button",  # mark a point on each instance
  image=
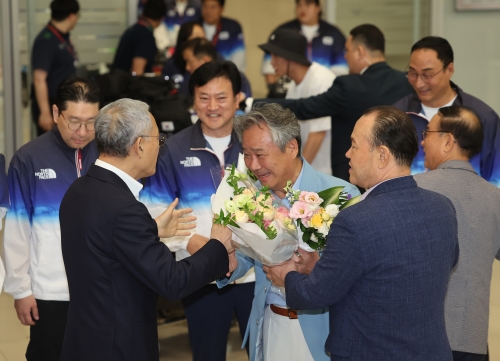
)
(257, 322)
(265, 289)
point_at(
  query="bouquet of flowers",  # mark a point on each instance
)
(258, 219)
(314, 213)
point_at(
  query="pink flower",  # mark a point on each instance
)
(267, 223)
(300, 210)
(281, 213)
(310, 198)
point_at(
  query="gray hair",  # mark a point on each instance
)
(119, 124)
(282, 123)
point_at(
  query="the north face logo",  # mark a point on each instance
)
(191, 162)
(46, 174)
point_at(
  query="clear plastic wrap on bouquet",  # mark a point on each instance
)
(250, 238)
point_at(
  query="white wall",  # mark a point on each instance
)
(475, 38)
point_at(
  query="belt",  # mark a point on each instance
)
(287, 312)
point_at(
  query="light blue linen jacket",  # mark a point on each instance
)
(314, 324)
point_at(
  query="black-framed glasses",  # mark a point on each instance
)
(413, 75)
(161, 138)
(90, 126)
(424, 132)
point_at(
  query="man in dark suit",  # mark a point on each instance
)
(114, 260)
(371, 82)
(386, 265)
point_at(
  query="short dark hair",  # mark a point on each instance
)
(465, 126)
(312, 2)
(370, 36)
(154, 9)
(185, 32)
(221, 2)
(309, 1)
(441, 46)
(77, 89)
(394, 129)
(201, 47)
(215, 69)
(61, 9)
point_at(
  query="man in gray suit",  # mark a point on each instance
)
(452, 138)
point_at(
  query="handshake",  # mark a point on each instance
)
(177, 222)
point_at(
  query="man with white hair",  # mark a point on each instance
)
(115, 264)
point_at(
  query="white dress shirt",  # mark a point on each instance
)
(134, 186)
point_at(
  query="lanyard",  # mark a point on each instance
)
(215, 39)
(78, 162)
(58, 35)
(146, 24)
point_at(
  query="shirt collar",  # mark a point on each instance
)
(134, 186)
(295, 187)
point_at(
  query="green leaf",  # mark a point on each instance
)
(330, 195)
(350, 202)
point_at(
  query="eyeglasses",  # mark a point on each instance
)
(413, 75)
(161, 138)
(424, 132)
(90, 126)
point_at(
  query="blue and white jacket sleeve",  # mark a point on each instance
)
(17, 234)
(159, 191)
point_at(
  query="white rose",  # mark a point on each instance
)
(332, 210)
(241, 217)
(324, 230)
(262, 199)
(241, 200)
(230, 206)
(268, 214)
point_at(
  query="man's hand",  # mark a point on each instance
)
(233, 263)
(174, 222)
(45, 121)
(277, 274)
(223, 235)
(305, 261)
(26, 308)
(195, 243)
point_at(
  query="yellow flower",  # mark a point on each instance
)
(325, 216)
(316, 220)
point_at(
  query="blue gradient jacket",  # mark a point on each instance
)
(39, 175)
(487, 162)
(183, 171)
(230, 43)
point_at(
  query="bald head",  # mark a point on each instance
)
(465, 126)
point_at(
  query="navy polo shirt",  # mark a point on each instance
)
(54, 56)
(136, 42)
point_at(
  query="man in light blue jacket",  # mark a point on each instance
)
(270, 137)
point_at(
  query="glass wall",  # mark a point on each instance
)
(95, 37)
(396, 19)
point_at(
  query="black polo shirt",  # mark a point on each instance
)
(136, 41)
(56, 55)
